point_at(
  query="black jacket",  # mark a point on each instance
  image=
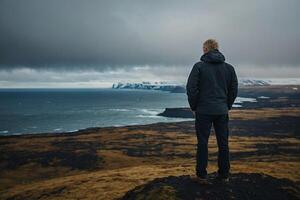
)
(212, 85)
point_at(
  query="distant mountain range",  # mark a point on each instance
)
(179, 88)
(270, 81)
(162, 85)
(244, 82)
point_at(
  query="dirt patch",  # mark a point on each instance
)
(241, 186)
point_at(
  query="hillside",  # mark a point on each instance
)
(105, 163)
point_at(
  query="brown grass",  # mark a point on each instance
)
(134, 155)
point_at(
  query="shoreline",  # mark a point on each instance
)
(92, 130)
(277, 97)
(109, 156)
(85, 130)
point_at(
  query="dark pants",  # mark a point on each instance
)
(203, 124)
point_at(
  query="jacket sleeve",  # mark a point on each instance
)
(192, 90)
(233, 89)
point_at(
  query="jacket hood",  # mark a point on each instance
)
(213, 56)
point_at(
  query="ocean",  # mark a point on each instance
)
(29, 111)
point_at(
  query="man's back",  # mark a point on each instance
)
(212, 89)
(212, 84)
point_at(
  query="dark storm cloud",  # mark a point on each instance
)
(101, 34)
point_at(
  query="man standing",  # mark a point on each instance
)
(212, 87)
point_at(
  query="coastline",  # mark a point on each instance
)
(89, 130)
(84, 131)
(113, 160)
(135, 154)
(251, 97)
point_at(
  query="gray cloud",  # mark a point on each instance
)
(110, 35)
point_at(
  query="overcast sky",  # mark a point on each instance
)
(93, 43)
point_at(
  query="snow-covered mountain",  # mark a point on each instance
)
(178, 87)
(270, 81)
(247, 82)
(161, 85)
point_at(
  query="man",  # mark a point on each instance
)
(212, 87)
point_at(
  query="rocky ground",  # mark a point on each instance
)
(252, 186)
(107, 163)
